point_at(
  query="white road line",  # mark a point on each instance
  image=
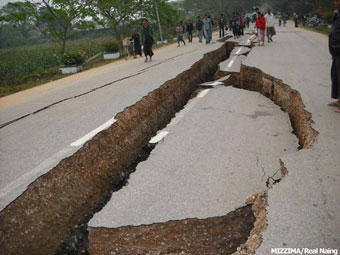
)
(212, 83)
(238, 52)
(203, 93)
(231, 62)
(159, 137)
(19, 185)
(90, 135)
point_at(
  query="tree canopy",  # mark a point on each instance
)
(57, 18)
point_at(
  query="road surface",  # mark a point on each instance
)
(218, 151)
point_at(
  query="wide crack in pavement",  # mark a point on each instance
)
(217, 235)
(51, 215)
(57, 205)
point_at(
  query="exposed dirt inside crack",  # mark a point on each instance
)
(218, 235)
(259, 204)
(50, 216)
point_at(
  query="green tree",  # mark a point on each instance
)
(114, 13)
(19, 14)
(169, 16)
(54, 18)
(58, 17)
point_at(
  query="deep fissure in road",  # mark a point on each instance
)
(51, 215)
(217, 235)
(290, 101)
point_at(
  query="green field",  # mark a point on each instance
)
(322, 30)
(26, 67)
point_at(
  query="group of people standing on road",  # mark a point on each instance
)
(146, 38)
(203, 26)
(237, 25)
(264, 23)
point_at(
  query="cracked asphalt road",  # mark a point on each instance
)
(214, 157)
(48, 118)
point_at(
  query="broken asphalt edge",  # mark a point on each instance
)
(56, 206)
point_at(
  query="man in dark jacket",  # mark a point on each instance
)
(190, 28)
(221, 25)
(136, 39)
(148, 37)
(334, 49)
(199, 27)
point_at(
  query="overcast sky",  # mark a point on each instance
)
(4, 2)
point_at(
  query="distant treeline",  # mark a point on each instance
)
(32, 22)
(192, 8)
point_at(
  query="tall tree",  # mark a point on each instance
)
(55, 18)
(19, 14)
(61, 16)
(113, 13)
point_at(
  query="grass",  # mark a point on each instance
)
(322, 30)
(26, 67)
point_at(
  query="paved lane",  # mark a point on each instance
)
(35, 144)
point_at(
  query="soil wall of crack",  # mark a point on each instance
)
(57, 204)
(217, 235)
(288, 99)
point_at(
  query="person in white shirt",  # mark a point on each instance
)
(270, 20)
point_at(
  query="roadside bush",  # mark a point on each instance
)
(110, 46)
(328, 16)
(73, 58)
(21, 64)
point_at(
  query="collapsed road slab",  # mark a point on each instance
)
(232, 65)
(211, 160)
(240, 51)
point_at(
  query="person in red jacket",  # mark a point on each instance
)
(261, 28)
(241, 24)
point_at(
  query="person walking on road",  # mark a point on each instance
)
(148, 37)
(207, 28)
(334, 49)
(241, 27)
(235, 22)
(180, 32)
(247, 21)
(136, 38)
(261, 28)
(284, 17)
(211, 28)
(296, 19)
(280, 19)
(221, 25)
(270, 20)
(190, 28)
(199, 27)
